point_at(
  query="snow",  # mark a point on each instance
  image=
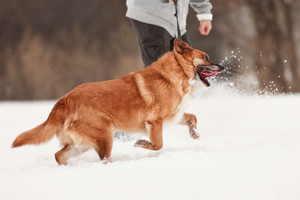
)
(249, 149)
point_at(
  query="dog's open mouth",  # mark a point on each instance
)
(205, 73)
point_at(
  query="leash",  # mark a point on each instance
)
(176, 15)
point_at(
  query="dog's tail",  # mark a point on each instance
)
(45, 131)
(41, 133)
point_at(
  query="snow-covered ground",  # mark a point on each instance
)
(249, 149)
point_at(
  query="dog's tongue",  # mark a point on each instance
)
(206, 74)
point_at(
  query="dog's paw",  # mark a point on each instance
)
(141, 143)
(194, 134)
(105, 161)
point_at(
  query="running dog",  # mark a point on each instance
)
(89, 115)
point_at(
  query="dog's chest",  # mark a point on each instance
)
(182, 106)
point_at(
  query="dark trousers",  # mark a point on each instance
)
(153, 40)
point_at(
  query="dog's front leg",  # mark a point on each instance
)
(191, 121)
(154, 129)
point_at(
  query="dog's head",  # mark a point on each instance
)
(197, 60)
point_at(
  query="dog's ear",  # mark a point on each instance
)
(180, 47)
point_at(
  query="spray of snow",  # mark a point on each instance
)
(241, 75)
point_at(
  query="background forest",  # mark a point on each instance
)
(48, 47)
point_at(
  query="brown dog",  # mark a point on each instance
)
(88, 115)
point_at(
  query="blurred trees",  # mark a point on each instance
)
(48, 47)
(275, 40)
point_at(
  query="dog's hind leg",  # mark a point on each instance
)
(102, 139)
(104, 146)
(154, 129)
(67, 152)
(60, 156)
(191, 121)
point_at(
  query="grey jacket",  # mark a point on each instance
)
(161, 12)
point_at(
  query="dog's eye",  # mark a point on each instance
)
(205, 58)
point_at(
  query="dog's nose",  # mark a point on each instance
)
(221, 67)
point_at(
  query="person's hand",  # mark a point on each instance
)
(205, 27)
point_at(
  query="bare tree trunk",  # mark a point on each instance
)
(276, 56)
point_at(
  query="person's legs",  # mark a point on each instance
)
(153, 40)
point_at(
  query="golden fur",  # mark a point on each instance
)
(88, 115)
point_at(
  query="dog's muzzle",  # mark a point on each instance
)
(205, 71)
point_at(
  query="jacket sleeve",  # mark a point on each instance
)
(202, 8)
